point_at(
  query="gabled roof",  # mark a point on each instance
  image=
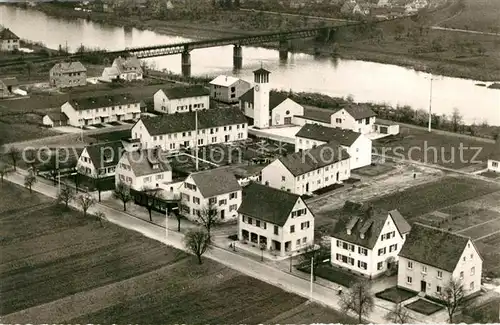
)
(68, 67)
(143, 162)
(300, 163)
(130, 64)
(318, 114)
(495, 155)
(186, 92)
(105, 154)
(217, 181)
(380, 121)
(57, 116)
(180, 122)
(402, 225)
(434, 247)
(267, 204)
(322, 133)
(224, 81)
(7, 34)
(359, 111)
(102, 101)
(274, 98)
(10, 81)
(261, 71)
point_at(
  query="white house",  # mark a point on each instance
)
(310, 170)
(175, 131)
(357, 145)
(386, 127)
(356, 117)
(101, 109)
(278, 220)
(123, 69)
(431, 257)
(265, 108)
(494, 159)
(100, 160)
(214, 188)
(228, 89)
(8, 40)
(367, 240)
(181, 99)
(144, 169)
(54, 119)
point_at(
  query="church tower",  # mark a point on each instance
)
(261, 113)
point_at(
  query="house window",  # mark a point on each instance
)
(196, 200)
(424, 269)
(243, 218)
(297, 242)
(381, 251)
(472, 285)
(222, 202)
(214, 139)
(233, 195)
(380, 265)
(409, 279)
(292, 229)
(440, 274)
(257, 223)
(494, 164)
(362, 265)
(250, 221)
(212, 200)
(233, 207)
(304, 240)
(461, 274)
(338, 120)
(410, 265)
(472, 270)
(304, 225)
(363, 251)
(283, 178)
(275, 230)
(438, 289)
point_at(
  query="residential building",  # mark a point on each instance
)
(213, 188)
(277, 220)
(68, 74)
(267, 109)
(8, 40)
(357, 145)
(101, 109)
(181, 99)
(310, 170)
(431, 257)
(7, 86)
(494, 159)
(100, 160)
(176, 131)
(144, 169)
(359, 118)
(366, 240)
(54, 119)
(228, 89)
(127, 69)
(385, 127)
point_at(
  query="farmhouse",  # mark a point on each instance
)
(68, 74)
(8, 40)
(367, 240)
(310, 170)
(8, 86)
(127, 69)
(176, 131)
(357, 145)
(101, 109)
(100, 160)
(431, 257)
(277, 220)
(211, 189)
(228, 89)
(494, 159)
(181, 99)
(54, 119)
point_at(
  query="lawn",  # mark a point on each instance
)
(479, 15)
(15, 132)
(333, 274)
(58, 267)
(378, 169)
(395, 294)
(490, 174)
(111, 135)
(424, 307)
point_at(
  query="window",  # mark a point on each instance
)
(410, 265)
(214, 139)
(233, 207)
(472, 270)
(438, 289)
(222, 202)
(243, 218)
(147, 179)
(494, 164)
(380, 265)
(196, 200)
(159, 176)
(297, 243)
(440, 274)
(381, 251)
(250, 221)
(393, 247)
(409, 279)
(304, 225)
(292, 229)
(424, 269)
(362, 265)
(472, 285)
(283, 178)
(363, 251)
(212, 200)
(461, 274)
(275, 230)
(464, 259)
(367, 121)
(338, 120)
(233, 195)
(304, 240)
(257, 223)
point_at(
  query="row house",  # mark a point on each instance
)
(100, 160)
(8, 40)
(213, 188)
(431, 257)
(101, 109)
(176, 131)
(68, 74)
(228, 89)
(181, 99)
(367, 240)
(275, 220)
(309, 170)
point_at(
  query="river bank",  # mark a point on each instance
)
(405, 43)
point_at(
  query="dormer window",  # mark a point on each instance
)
(156, 166)
(348, 231)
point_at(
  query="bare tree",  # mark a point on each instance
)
(29, 181)
(152, 195)
(4, 171)
(65, 195)
(317, 253)
(399, 315)
(100, 217)
(452, 296)
(358, 300)
(14, 155)
(85, 201)
(122, 192)
(197, 242)
(456, 119)
(209, 217)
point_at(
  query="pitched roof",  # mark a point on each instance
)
(186, 92)
(67, 67)
(57, 116)
(180, 122)
(434, 247)
(267, 204)
(318, 114)
(274, 98)
(105, 154)
(261, 71)
(380, 121)
(143, 162)
(224, 81)
(322, 133)
(217, 181)
(130, 64)
(10, 81)
(7, 34)
(102, 101)
(359, 111)
(300, 163)
(401, 223)
(495, 155)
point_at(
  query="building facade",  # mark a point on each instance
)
(275, 220)
(358, 118)
(127, 69)
(181, 99)
(494, 160)
(100, 160)
(228, 89)
(68, 74)
(8, 40)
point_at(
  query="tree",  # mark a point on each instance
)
(4, 171)
(399, 315)
(177, 212)
(358, 300)
(452, 296)
(100, 217)
(318, 254)
(14, 155)
(209, 217)
(152, 195)
(29, 181)
(197, 242)
(456, 119)
(85, 201)
(99, 185)
(65, 195)
(122, 192)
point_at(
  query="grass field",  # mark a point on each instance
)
(57, 267)
(479, 15)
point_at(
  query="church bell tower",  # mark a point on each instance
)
(261, 114)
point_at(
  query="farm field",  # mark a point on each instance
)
(58, 267)
(478, 15)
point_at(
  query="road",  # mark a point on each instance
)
(464, 31)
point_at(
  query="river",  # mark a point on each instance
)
(364, 81)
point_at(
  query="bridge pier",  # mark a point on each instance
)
(283, 50)
(186, 63)
(237, 57)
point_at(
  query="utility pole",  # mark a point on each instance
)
(166, 224)
(196, 138)
(312, 278)
(430, 106)
(59, 177)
